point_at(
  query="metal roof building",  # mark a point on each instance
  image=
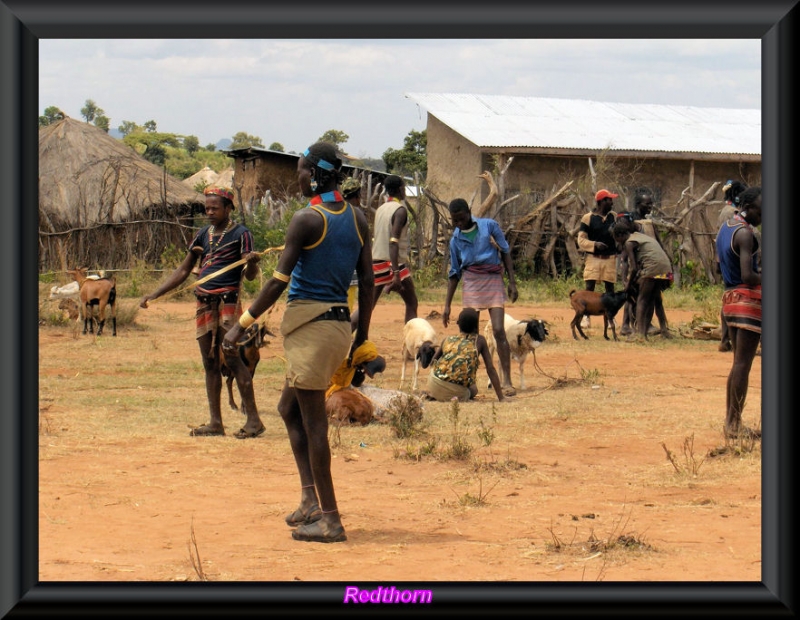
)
(502, 122)
(541, 143)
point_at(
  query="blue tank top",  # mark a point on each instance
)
(728, 258)
(324, 269)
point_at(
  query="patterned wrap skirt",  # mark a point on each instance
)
(215, 311)
(483, 287)
(742, 307)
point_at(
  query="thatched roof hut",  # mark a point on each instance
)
(102, 205)
(225, 178)
(206, 175)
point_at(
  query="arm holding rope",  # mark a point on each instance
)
(303, 229)
(252, 268)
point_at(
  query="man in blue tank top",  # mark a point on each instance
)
(737, 247)
(325, 242)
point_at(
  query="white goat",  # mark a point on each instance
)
(72, 290)
(68, 291)
(523, 337)
(419, 339)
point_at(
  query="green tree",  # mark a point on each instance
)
(179, 162)
(51, 115)
(128, 127)
(151, 146)
(413, 157)
(277, 146)
(155, 153)
(191, 144)
(150, 126)
(103, 122)
(90, 111)
(242, 140)
(211, 147)
(334, 136)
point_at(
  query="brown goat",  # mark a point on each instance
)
(592, 303)
(73, 310)
(100, 293)
(70, 306)
(249, 353)
(349, 406)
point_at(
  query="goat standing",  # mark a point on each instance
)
(419, 339)
(592, 303)
(523, 337)
(100, 293)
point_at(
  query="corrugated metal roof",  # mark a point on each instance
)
(536, 122)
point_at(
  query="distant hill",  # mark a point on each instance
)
(224, 144)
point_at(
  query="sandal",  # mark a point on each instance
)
(245, 434)
(206, 431)
(313, 533)
(298, 517)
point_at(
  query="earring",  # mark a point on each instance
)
(314, 185)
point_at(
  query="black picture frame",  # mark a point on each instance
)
(24, 22)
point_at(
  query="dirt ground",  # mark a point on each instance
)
(574, 484)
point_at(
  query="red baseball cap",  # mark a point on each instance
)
(604, 193)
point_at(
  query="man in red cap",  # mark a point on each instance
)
(595, 238)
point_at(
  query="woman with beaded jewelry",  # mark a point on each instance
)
(324, 242)
(217, 246)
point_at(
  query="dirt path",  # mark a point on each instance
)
(575, 484)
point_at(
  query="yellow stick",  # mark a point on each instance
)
(241, 261)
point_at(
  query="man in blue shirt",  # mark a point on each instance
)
(478, 253)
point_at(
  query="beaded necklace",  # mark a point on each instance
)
(213, 246)
(333, 196)
(738, 218)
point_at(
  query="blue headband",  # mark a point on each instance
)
(319, 162)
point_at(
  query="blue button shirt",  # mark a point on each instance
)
(480, 251)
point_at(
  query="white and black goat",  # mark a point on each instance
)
(523, 337)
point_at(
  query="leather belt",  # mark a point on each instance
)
(334, 313)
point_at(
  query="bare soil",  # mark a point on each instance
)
(568, 481)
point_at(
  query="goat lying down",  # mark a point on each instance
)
(419, 344)
(523, 337)
(367, 403)
(592, 303)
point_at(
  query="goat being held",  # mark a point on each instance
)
(249, 353)
(523, 337)
(592, 303)
(419, 337)
(101, 293)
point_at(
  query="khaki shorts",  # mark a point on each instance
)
(604, 269)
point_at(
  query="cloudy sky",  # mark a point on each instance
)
(291, 90)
